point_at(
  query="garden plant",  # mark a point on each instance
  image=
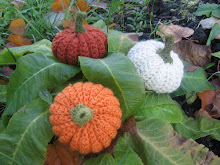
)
(89, 82)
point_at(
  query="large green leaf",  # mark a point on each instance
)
(116, 72)
(27, 135)
(104, 159)
(118, 41)
(3, 93)
(193, 81)
(123, 153)
(160, 106)
(161, 145)
(199, 127)
(44, 46)
(214, 32)
(34, 74)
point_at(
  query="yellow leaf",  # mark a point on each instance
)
(68, 23)
(59, 5)
(17, 27)
(19, 40)
(82, 5)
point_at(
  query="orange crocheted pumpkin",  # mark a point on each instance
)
(87, 116)
(79, 40)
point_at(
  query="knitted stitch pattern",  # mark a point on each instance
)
(98, 132)
(67, 45)
(158, 76)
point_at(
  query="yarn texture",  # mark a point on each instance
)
(159, 76)
(68, 45)
(104, 116)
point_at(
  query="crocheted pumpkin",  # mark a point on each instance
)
(87, 116)
(79, 40)
(158, 66)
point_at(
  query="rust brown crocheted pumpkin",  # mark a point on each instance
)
(79, 40)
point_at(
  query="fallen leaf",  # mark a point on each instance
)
(206, 97)
(19, 40)
(210, 102)
(17, 27)
(190, 68)
(208, 23)
(202, 113)
(18, 3)
(68, 23)
(198, 55)
(82, 5)
(61, 154)
(6, 70)
(60, 5)
(176, 30)
(52, 157)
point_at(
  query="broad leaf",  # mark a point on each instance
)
(124, 154)
(206, 9)
(3, 93)
(162, 145)
(34, 74)
(160, 106)
(116, 72)
(121, 42)
(216, 54)
(44, 46)
(118, 41)
(200, 127)
(214, 32)
(27, 135)
(104, 159)
(193, 81)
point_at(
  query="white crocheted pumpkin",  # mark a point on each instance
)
(159, 67)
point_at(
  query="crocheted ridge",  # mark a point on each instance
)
(157, 76)
(67, 46)
(98, 132)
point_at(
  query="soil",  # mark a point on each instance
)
(172, 12)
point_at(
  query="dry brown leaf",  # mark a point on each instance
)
(17, 27)
(202, 113)
(61, 154)
(82, 5)
(52, 157)
(19, 40)
(176, 30)
(6, 70)
(206, 97)
(190, 68)
(198, 55)
(68, 23)
(210, 102)
(60, 5)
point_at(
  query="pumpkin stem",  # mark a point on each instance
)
(81, 114)
(79, 27)
(165, 52)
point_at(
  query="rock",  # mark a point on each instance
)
(208, 22)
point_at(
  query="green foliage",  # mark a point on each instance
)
(199, 127)
(208, 10)
(124, 155)
(160, 106)
(27, 135)
(214, 32)
(116, 72)
(44, 46)
(193, 81)
(216, 54)
(160, 144)
(35, 73)
(3, 93)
